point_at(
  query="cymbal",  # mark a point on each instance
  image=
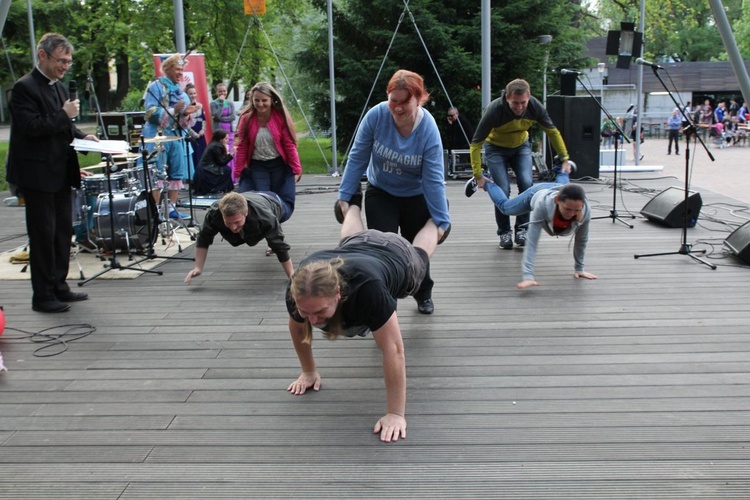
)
(162, 138)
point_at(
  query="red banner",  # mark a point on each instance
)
(195, 73)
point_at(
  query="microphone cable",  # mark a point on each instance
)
(55, 337)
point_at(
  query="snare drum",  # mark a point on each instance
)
(97, 183)
(131, 212)
(137, 179)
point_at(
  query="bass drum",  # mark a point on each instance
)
(131, 214)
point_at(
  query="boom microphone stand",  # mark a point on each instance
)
(685, 247)
(613, 214)
(113, 262)
(188, 159)
(110, 166)
(152, 219)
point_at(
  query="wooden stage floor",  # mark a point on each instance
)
(635, 385)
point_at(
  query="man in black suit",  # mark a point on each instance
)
(44, 166)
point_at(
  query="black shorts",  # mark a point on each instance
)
(417, 260)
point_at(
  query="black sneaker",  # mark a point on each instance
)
(356, 199)
(506, 240)
(425, 306)
(471, 187)
(445, 235)
(521, 237)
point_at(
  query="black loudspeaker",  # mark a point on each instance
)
(578, 120)
(739, 242)
(668, 207)
(568, 84)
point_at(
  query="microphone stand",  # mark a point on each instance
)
(113, 262)
(685, 247)
(613, 214)
(188, 158)
(152, 219)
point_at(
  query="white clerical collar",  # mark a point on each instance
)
(51, 80)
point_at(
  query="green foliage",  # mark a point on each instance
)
(451, 30)
(682, 27)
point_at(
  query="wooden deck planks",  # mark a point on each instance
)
(635, 385)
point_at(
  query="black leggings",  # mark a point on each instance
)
(388, 213)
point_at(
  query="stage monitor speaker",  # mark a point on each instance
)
(739, 242)
(578, 120)
(668, 207)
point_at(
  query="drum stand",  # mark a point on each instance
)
(113, 262)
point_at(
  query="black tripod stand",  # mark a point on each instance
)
(613, 214)
(180, 131)
(152, 218)
(113, 262)
(685, 247)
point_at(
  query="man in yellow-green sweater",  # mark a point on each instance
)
(504, 132)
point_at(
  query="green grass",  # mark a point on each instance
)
(310, 157)
(309, 154)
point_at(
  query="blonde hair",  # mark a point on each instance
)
(232, 204)
(320, 278)
(277, 103)
(518, 87)
(171, 61)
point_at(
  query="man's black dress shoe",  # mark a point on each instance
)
(72, 297)
(425, 306)
(50, 306)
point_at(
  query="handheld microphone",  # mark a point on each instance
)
(569, 72)
(644, 62)
(73, 93)
(630, 109)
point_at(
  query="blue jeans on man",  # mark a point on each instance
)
(498, 161)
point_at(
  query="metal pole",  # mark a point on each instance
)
(544, 40)
(486, 61)
(331, 78)
(639, 97)
(31, 31)
(179, 27)
(730, 44)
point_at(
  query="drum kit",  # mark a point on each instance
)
(91, 206)
(133, 222)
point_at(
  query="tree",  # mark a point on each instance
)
(684, 28)
(451, 30)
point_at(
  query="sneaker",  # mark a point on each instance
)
(425, 306)
(521, 237)
(471, 187)
(506, 240)
(174, 214)
(445, 235)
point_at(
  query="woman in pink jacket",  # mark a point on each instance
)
(267, 157)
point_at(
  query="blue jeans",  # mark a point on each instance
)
(274, 176)
(519, 160)
(521, 204)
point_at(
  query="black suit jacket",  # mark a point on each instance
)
(40, 155)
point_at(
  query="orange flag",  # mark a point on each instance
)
(255, 7)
